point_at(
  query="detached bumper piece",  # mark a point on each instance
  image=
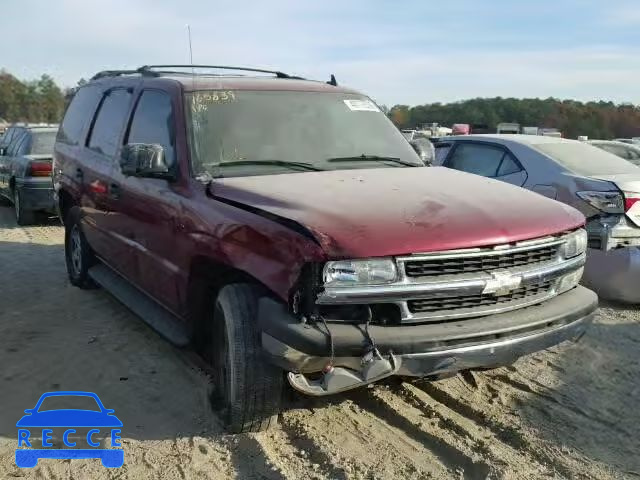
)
(339, 379)
(609, 233)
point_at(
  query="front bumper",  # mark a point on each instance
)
(426, 349)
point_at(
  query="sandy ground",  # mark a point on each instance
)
(571, 412)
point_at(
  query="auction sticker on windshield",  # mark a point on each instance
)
(361, 105)
(92, 431)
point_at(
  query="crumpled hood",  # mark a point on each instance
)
(394, 211)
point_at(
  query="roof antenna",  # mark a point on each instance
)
(333, 81)
(193, 72)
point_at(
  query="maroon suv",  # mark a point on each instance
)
(286, 229)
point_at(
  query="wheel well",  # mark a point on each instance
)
(206, 278)
(12, 183)
(65, 202)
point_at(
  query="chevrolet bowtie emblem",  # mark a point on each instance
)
(502, 283)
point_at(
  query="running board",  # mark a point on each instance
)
(158, 318)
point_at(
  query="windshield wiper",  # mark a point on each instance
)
(373, 158)
(279, 163)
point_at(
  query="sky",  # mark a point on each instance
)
(398, 52)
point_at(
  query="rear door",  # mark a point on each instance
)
(488, 160)
(152, 206)
(103, 223)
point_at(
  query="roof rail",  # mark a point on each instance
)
(157, 69)
(113, 73)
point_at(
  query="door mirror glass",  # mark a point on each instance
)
(145, 160)
(424, 149)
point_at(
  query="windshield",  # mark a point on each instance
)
(66, 402)
(585, 159)
(43, 143)
(241, 129)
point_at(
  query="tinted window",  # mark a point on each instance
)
(508, 166)
(479, 159)
(153, 123)
(11, 134)
(17, 142)
(442, 150)
(78, 114)
(109, 122)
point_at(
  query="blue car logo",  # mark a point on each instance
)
(100, 421)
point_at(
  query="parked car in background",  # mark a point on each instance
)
(460, 129)
(510, 128)
(25, 171)
(628, 151)
(605, 188)
(287, 229)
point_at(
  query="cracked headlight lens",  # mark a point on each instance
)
(342, 273)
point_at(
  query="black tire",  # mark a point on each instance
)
(23, 216)
(247, 389)
(78, 254)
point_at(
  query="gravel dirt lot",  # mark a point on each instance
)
(571, 412)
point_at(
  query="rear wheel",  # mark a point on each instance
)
(247, 389)
(78, 254)
(23, 216)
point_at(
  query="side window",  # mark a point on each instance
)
(442, 150)
(479, 159)
(109, 122)
(18, 140)
(508, 166)
(153, 123)
(79, 113)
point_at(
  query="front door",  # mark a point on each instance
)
(152, 204)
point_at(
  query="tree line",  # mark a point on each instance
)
(34, 101)
(42, 100)
(595, 119)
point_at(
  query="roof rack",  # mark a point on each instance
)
(158, 70)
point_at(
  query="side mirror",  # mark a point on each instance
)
(144, 160)
(425, 150)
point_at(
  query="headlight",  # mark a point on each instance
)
(575, 243)
(570, 280)
(608, 202)
(342, 273)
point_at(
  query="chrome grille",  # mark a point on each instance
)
(447, 305)
(467, 283)
(472, 264)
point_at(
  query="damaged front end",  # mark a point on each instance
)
(354, 322)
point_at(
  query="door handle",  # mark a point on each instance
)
(79, 174)
(115, 191)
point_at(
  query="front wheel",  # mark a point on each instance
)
(78, 254)
(247, 389)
